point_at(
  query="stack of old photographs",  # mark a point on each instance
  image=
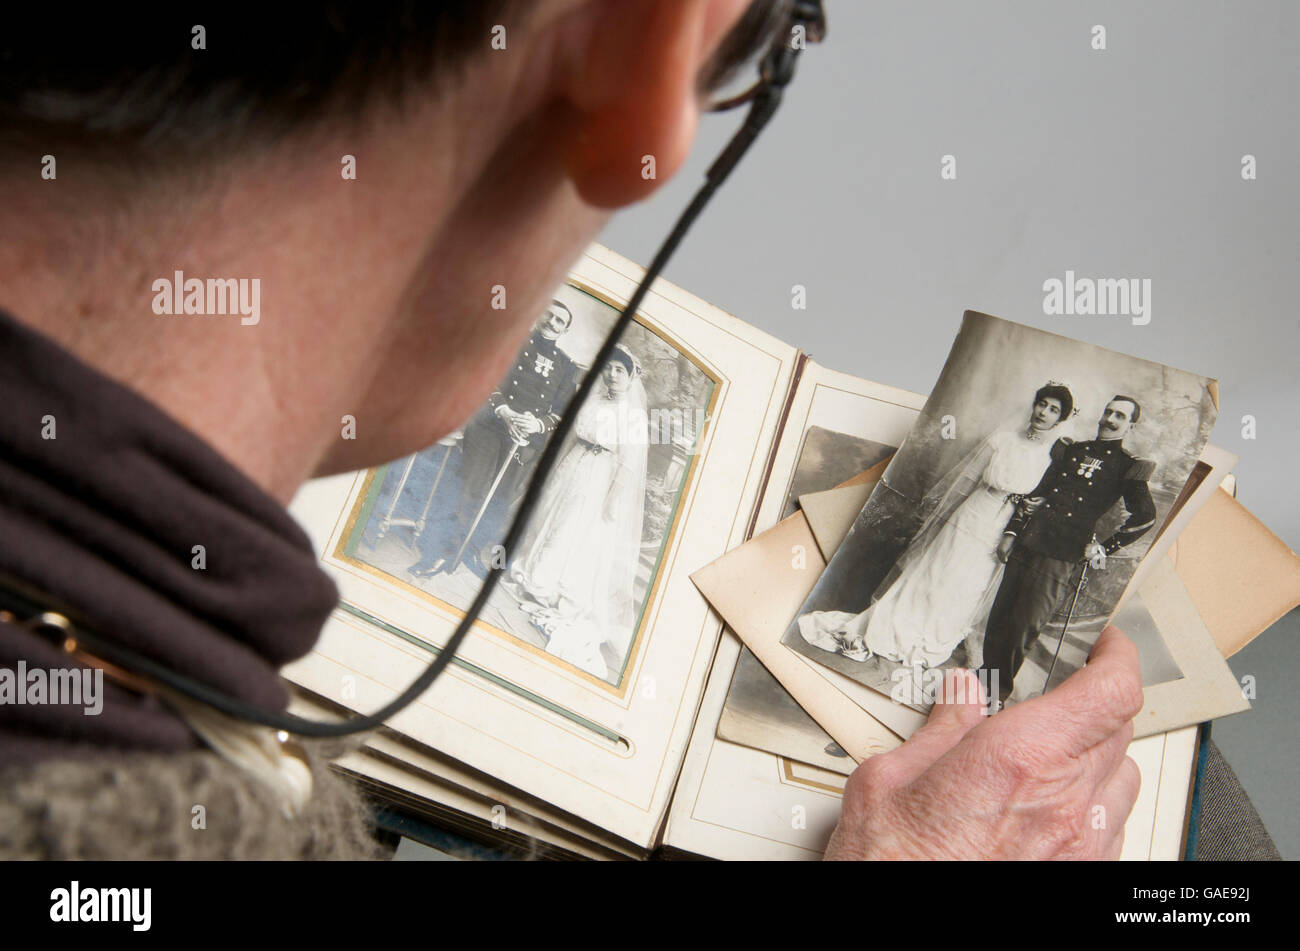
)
(1038, 496)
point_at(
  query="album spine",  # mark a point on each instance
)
(801, 361)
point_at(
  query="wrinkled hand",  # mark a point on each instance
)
(1047, 778)
(1007, 543)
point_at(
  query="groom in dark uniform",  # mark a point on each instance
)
(1051, 534)
(504, 439)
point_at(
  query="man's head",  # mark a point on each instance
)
(389, 174)
(555, 321)
(1118, 417)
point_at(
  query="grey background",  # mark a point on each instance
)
(1117, 163)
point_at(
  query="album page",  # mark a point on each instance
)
(430, 786)
(580, 682)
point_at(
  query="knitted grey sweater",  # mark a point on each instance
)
(191, 805)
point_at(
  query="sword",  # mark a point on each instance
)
(1066, 626)
(387, 521)
(424, 516)
(501, 474)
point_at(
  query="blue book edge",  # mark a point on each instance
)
(1194, 812)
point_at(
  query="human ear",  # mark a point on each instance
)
(632, 89)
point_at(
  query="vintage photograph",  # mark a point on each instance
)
(577, 583)
(1009, 523)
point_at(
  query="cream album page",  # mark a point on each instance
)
(580, 681)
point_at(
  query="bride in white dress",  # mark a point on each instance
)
(575, 574)
(943, 585)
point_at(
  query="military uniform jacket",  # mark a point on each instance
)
(1083, 482)
(542, 381)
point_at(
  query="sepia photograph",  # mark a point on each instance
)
(576, 585)
(1008, 525)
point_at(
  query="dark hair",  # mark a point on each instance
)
(128, 84)
(558, 305)
(1137, 409)
(624, 356)
(1059, 393)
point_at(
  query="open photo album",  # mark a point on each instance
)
(604, 706)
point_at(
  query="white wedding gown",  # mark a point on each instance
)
(943, 590)
(578, 558)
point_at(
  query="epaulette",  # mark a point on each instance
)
(1059, 447)
(1141, 470)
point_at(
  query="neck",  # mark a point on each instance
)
(333, 270)
(214, 374)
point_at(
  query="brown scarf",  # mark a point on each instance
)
(105, 516)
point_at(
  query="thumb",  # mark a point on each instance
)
(958, 709)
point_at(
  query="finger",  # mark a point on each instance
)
(1095, 702)
(1116, 799)
(1108, 755)
(958, 709)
